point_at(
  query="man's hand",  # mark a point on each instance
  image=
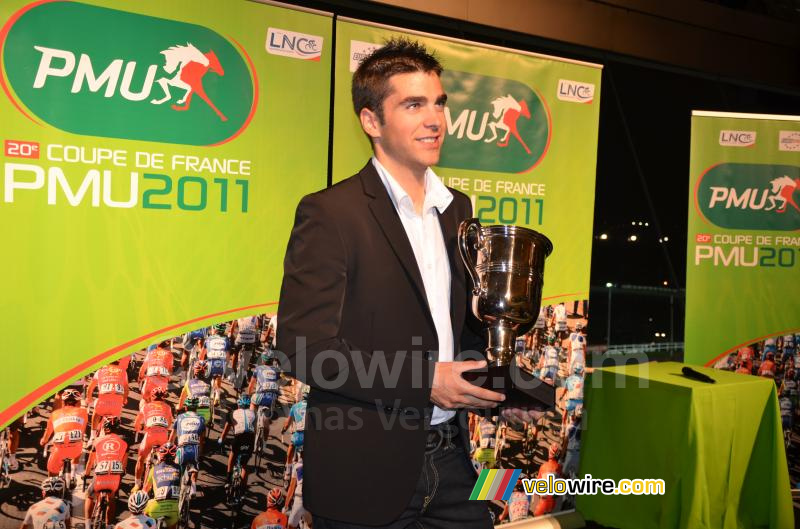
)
(450, 390)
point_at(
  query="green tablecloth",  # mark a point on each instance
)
(718, 447)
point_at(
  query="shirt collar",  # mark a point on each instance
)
(436, 193)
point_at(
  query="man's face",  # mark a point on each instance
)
(413, 127)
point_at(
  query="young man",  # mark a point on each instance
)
(372, 278)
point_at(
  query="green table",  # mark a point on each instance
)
(718, 447)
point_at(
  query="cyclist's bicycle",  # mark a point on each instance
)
(66, 473)
(234, 496)
(151, 460)
(529, 440)
(235, 490)
(243, 365)
(262, 434)
(5, 462)
(101, 509)
(185, 496)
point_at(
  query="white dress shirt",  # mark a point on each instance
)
(425, 235)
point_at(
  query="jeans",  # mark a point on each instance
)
(441, 499)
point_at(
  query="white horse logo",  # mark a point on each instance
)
(189, 66)
(783, 189)
(506, 111)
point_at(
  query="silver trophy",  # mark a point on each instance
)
(507, 276)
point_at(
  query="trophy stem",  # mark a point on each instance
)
(501, 343)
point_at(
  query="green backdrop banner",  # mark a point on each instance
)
(521, 141)
(743, 251)
(154, 153)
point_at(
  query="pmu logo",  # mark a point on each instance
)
(750, 196)
(737, 138)
(493, 124)
(103, 72)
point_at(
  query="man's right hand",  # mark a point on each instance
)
(450, 390)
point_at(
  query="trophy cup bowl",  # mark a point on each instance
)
(507, 273)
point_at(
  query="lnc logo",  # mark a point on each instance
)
(575, 91)
(737, 138)
(750, 196)
(104, 72)
(292, 44)
(493, 124)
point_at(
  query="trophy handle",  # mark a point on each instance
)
(464, 229)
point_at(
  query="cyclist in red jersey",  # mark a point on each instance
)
(107, 461)
(768, 367)
(155, 420)
(272, 518)
(156, 369)
(111, 382)
(68, 423)
(551, 466)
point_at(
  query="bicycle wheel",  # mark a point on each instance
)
(99, 512)
(184, 500)
(5, 472)
(258, 441)
(236, 486)
(68, 475)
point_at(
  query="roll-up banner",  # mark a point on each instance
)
(743, 257)
(521, 141)
(153, 156)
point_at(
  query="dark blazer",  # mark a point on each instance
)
(352, 307)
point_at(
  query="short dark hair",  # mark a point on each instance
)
(371, 79)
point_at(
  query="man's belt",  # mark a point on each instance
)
(441, 434)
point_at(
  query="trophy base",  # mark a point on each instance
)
(521, 388)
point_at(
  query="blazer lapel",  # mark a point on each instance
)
(448, 220)
(392, 227)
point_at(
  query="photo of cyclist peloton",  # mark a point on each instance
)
(204, 430)
(776, 358)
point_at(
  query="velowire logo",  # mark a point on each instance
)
(750, 196)
(292, 44)
(103, 72)
(493, 124)
(737, 138)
